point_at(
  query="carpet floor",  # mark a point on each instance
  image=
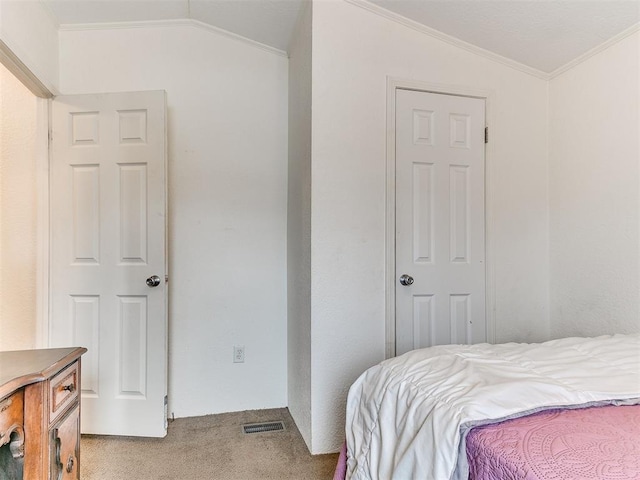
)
(213, 447)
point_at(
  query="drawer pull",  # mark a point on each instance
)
(70, 464)
(69, 388)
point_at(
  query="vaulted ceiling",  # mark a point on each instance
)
(542, 34)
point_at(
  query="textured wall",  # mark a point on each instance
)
(299, 227)
(31, 32)
(18, 201)
(594, 194)
(227, 111)
(353, 53)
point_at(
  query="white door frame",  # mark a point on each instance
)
(43, 240)
(13, 63)
(390, 242)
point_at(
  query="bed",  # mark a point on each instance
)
(564, 409)
(581, 444)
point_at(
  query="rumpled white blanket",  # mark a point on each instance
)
(407, 417)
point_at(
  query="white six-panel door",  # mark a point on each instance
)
(440, 219)
(107, 238)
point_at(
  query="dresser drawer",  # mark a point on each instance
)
(11, 415)
(65, 448)
(63, 391)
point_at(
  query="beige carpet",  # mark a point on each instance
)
(207, 448)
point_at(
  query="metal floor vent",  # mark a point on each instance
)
(263, 427)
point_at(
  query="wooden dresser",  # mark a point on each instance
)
(40, 414)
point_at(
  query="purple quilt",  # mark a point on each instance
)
(600, 443)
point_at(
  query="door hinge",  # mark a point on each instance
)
(486, 134)
(166, 412)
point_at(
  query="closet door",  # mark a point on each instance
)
(440, 220)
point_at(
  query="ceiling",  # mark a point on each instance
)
(542, 34)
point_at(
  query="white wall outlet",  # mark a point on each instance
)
(238, 354)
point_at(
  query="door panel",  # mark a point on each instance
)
(439, 220)
(108, 236)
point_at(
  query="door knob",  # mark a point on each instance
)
(153, 281)
(406, 280)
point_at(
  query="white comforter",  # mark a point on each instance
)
(407, 417)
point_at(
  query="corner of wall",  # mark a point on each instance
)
(548, 212)
(299, 228)
(594, 171)
(30, 30)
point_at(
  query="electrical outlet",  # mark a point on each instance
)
(238, 354)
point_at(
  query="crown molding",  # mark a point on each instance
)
(52, 17)
(594, 51)
(74, 27)
(389, 15)
(186, 22)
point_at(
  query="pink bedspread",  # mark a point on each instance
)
(341, 467)
(590, 443)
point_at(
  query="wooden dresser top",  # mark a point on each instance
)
(23, 367)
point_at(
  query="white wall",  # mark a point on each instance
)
(18, 221)
(31, 32)
(228, 195)
(227, 110)
(594, 194)
(299, 227)
(353, 53)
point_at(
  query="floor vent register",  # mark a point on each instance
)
(263, 427)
